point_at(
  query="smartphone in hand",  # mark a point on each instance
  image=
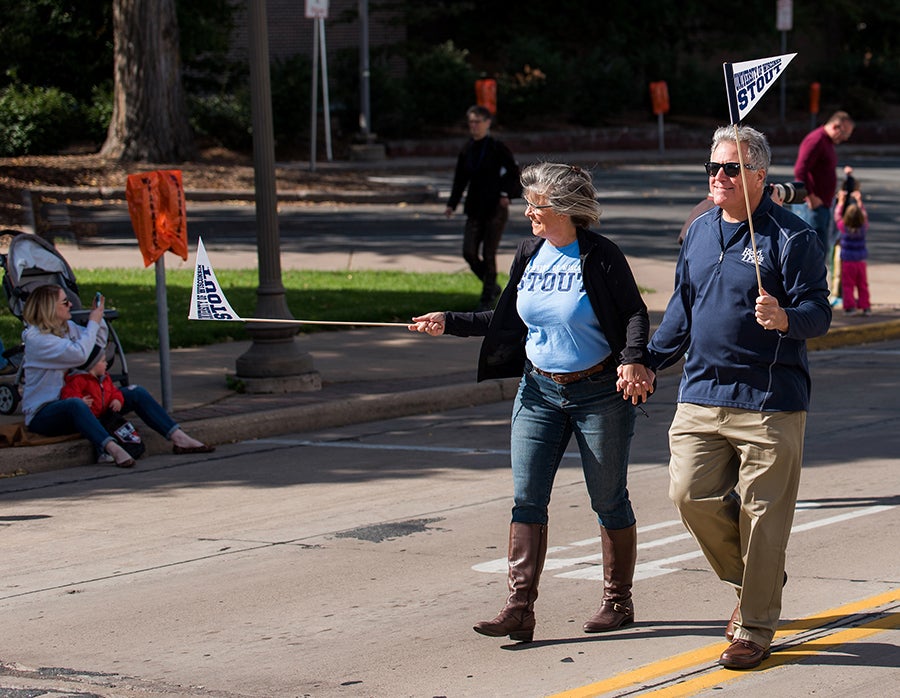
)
(97, 298)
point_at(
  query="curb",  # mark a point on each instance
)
(355, 410)
(862, 334)
(275, 422)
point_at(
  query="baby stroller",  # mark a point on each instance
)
(29, 262)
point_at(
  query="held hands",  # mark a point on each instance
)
(635, 382)
(769, 314)
(430, 323)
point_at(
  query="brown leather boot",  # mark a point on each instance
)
(527, 550)
(619, 555)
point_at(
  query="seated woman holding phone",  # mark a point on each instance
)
(54, 344)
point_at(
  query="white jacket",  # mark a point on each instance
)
(48, 357)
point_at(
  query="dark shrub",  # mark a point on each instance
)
(223, 118)
(36, 120)
(441, 86)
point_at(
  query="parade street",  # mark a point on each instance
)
(354, 561)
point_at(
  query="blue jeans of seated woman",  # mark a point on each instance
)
(73, 415)
(545, 416)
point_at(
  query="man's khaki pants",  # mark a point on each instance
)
(734, 478)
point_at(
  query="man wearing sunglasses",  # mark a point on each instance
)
(736, 440)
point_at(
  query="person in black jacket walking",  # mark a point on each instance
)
(489, 170)
(569, 319)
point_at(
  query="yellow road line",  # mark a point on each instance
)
(710, 653)
(790, 655)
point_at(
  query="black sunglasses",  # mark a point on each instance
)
(732, 169)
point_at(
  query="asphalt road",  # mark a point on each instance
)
(353, 562)
(644, 208)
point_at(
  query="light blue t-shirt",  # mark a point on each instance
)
(563, 332)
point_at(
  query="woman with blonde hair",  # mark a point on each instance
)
(53, 345)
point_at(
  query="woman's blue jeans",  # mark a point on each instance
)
(73, 415)
(545, 415)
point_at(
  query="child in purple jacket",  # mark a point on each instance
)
(852, 222)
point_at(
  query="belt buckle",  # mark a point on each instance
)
(566, 378)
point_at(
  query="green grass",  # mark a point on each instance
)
(367, 296)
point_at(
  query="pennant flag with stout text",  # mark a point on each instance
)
(747, 82)
(208, 302)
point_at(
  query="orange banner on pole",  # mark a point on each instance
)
(158, 216)
(815, 91)
(486, 94)
(659, 97)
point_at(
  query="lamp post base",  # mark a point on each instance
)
(276, 364)
(302, 383)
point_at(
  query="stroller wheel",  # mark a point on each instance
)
(9, 398)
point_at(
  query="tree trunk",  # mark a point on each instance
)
(149, 121)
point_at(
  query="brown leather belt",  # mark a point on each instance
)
(566, 378)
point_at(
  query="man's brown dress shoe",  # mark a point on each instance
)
(743, 654)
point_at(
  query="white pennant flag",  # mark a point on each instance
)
(208, 302)
(747, 82)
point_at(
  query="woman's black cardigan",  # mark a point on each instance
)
(612, 291)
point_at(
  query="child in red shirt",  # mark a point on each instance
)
(95, 386)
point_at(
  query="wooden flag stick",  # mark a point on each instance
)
(740, 152)
(284, 321)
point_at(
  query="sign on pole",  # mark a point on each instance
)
(784, 16)
(317, 9)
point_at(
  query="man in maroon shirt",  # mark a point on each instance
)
(816, 167)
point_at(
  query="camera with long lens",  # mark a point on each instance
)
(790, 192)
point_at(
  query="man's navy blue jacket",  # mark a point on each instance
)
(731, 360)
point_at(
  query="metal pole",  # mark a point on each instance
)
(365, 116)
(325, 106)
(314, 110)
(273, 352)
(662, 137)
(263, 152)
(162, 315)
